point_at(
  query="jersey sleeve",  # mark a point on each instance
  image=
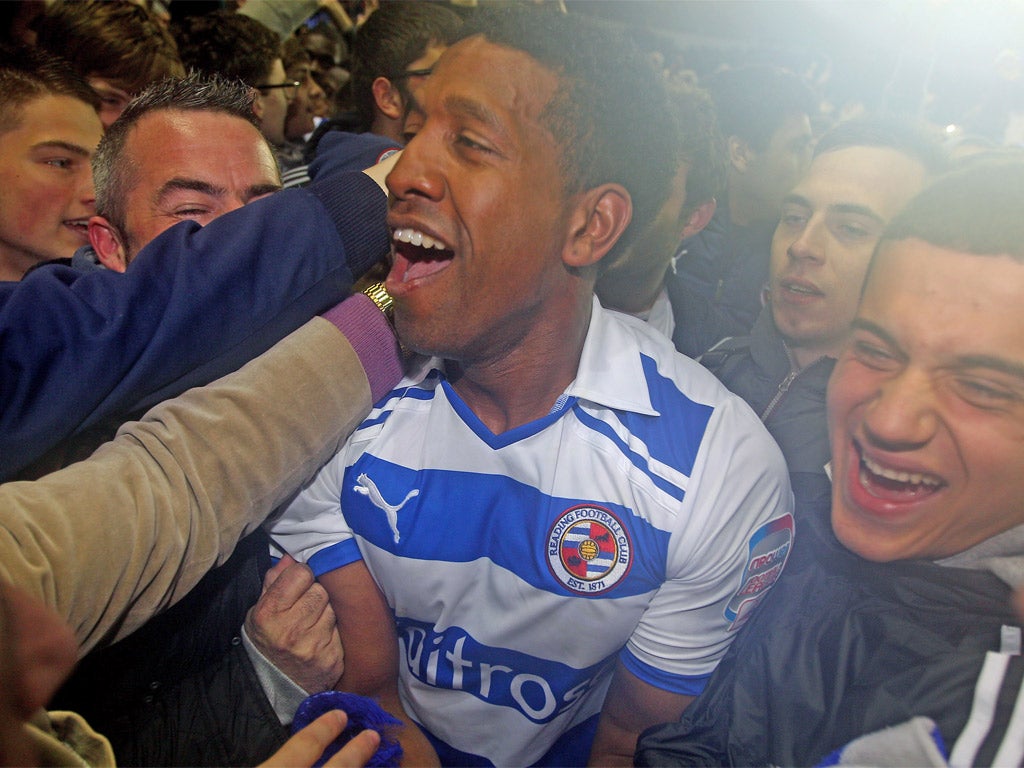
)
(732, 539)
(312, 528)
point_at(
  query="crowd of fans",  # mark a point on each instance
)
(489, 365)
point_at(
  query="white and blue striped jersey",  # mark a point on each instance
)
(641, 519)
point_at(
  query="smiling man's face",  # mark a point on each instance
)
(926, 405)
(480, 210)
(192, 165)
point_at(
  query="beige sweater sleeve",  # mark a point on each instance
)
(114, 539)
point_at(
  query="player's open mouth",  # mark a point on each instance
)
(894, 484)
(418, 255)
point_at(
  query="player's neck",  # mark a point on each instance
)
(521, 385)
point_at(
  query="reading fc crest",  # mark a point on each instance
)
(589, 550)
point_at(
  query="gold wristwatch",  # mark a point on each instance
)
(379, 296)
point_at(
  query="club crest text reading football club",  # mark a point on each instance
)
(589, 550)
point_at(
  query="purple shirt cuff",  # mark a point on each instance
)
(373, 339)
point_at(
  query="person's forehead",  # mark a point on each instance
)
(319, 45)
(190, 122)
(479, 47)
(58, 114)
(879, 178)
(506, 77)
(167, 136)
(972, 300)
(429, 56)
(101, 83)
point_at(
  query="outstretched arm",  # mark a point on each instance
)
(79, 348)
(112, 540)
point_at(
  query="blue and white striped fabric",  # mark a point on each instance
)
(640, 520)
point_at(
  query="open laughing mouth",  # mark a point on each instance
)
(890, 484)
(417, 255)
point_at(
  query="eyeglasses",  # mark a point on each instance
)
(291, 85)
(412, 73)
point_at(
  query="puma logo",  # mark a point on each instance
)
(368, 488)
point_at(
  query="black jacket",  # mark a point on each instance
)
(843, 647)
(791, 404)
(716, 287)
(181, 690)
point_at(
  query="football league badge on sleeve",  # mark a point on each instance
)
(769, 549)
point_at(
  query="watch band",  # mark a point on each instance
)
(379, 296)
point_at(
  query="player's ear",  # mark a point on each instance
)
(597, 222)
(740, 153)
(106, 242)
(699, 218)
(257, 105)
(387, 98)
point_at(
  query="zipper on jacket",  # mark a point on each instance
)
(783, 389)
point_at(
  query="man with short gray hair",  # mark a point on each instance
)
(186, 149)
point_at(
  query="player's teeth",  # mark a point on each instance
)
(913, 478)
(417, 238)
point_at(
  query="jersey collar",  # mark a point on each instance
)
(611, 373)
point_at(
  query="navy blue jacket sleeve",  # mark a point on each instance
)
(343, 151)
(78, 348)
